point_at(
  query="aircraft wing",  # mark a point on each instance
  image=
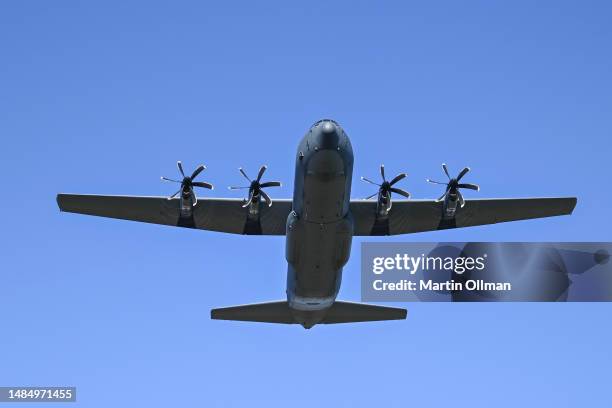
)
(213, 214)
(227, 214)
(409, 216)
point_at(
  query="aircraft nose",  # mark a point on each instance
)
(328, 135)
(328, 128)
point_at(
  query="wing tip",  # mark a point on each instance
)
(63, 201)
(573, 202)
(570, 205)
(59, 198)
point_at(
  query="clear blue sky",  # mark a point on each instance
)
(101, 97)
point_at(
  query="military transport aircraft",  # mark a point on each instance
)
(319, 223)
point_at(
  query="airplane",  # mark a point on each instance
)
(319, 223)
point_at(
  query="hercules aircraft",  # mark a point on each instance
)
(319, 223)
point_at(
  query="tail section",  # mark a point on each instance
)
(280, 312)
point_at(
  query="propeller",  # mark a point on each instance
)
(256, 187)
(187, 184)
(386, 188)
(453, 185)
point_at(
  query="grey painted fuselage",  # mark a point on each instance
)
(320, 227)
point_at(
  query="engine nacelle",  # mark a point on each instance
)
(449, 206)
(383, 205)
(186, 203)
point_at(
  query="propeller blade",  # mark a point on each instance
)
(262, 170)
(369, 181)
(180, 167)
(237, 188)
(398, 178)
(441, 197)
(463, 173)
(368, 197)
(248, 201)
(169, 179)
(195, 197)
(198, 171)
(446, 170)
(382, 172)
(400, 192)
(266, 197)
(203, 184)
(174, 195)
(435, 182)
(469, 186)
(460, 197)
(244, 174)
(270, 184)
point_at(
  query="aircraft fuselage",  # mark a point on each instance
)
(320, 227)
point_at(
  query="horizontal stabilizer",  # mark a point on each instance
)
(270, 312)
(279, 312)
(349, 312)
